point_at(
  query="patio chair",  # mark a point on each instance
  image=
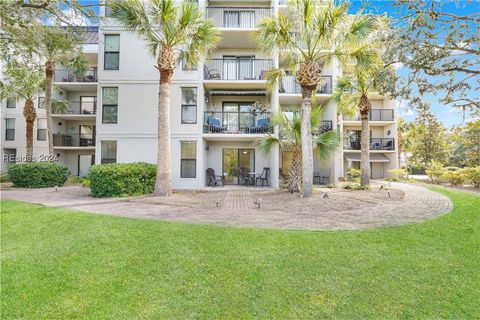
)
(212, 74)
(388, 145)
(212, 179)
(261, 127)
(244, 176)
(375, 146)
(264, 177)
(214, 125)
(324, 174)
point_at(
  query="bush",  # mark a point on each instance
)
(472, 176)
(38, 174)
(4, 177)
(455, 178)
(122, 179)
(435, 171)
(355, 186)
(451, 168)
(398, 175)
(353, 175)
(85, 182)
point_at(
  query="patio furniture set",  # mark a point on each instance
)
(246, 178)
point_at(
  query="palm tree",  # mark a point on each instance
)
(324, 144)
(55, 45)
(311, 33)
(351, 95)
(403, 130)
(24, 80)
(172, 32)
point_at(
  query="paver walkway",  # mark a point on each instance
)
(236, 208)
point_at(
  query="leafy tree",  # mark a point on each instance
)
(428, 140)
(54, 45)
(309, 34)
(472, 143)
(24, 80)
(171, 31)
(440, 49)
(325, 144)
(403, 137)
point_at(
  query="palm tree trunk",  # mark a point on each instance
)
(163, 182)
(30, 115)
(365, 141)
(49, 73)
(295, 171)
(307, 147)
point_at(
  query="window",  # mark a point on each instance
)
(9, 129)
(186, 67)
(188, 162)
(109, 105)
(108, 9)
(109, 152)
(112, 52)
(11, 103)
(41, 129)
(41, 102)
(189, 105)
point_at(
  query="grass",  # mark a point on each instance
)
(59, 264)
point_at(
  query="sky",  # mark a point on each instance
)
(448, 116)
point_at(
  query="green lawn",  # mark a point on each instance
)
(59, 264)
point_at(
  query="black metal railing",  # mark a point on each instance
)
(375, 144)
(237, 69)
(77, 107)
(73, 140)
(290, 85)
(68, 75)
(375, 115)
(237, 17)
(237, 122)
(325, 126)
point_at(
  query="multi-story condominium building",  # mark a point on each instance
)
(218, 108)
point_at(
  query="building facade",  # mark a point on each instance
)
(219, 108)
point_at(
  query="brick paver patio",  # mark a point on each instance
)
(236, 207)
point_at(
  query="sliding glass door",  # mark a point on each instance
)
(237, 164)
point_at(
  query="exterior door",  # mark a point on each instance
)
(87, 135)
(88, 105)
(84, 163)
(236, 163)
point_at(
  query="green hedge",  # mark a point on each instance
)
(38, 174)
(122, 179)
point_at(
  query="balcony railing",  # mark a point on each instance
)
(237, 122)
(73, 140)
(325, 126)
(237, 69)
(67, 75)
(290, 85)
(375, 144)
(237, 17)
(78, 108)
(375, 115)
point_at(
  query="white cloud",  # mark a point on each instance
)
(408, 112)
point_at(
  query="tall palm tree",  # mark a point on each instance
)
(351, 95)
(54, 45)
(24, 80)
(172, 32)
(311, 33)
(324, 144)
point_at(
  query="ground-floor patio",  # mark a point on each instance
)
(328, 209)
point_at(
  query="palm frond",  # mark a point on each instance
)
(326, 145)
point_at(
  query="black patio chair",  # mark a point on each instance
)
(212, 179)
(264, 177)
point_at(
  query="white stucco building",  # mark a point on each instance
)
(113, 108)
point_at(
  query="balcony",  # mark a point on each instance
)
(375, 144)
(325, 126)
(74, 140)
(237, 122)
(237, 17)
(77, 110)
(89, 33)
(67, 75)
(290, 85)
(375, 115)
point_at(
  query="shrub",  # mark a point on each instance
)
(455, 178)
(4, 177)
(85, 182)
(435, 171)
(452, 168)
(398, 175)
(122, 179)
(38, 174)
(353, 175)
(472, 176)
(355, 186)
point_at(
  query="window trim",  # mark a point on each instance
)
(102, 160)
(15, 103)
(105, 52)
(109, 105)
(189, 105)
(10, 130)
(39, 129)
(188, 159)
